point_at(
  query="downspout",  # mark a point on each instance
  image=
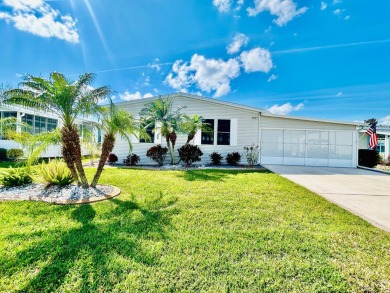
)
(259, 136)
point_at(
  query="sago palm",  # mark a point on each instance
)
(115, 122)
(161, 116)
(69, 100)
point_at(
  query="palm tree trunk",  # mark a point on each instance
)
(72, 151)
(107, 147)
(190, 137)
(169, 147)
(67, 153)
(173, 138)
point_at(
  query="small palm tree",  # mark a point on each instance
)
(160, 116)
(115, 122)
(193, 124)
(69, 100)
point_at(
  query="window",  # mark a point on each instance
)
(223, 135)
(149, 131)
(38, 124)
(208, 136)
(6, 115)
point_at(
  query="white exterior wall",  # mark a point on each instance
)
(247, 128)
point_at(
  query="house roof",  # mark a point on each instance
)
(195, 97)
(263, 112)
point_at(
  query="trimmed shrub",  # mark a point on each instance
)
(14, 154)
(157, 153)
(215, 158)
(112, 158)
(369, 158)
(252, 154)
(131, 160)
(189, 153)
(56, 173)
(3, 154)
(15, 177)
(233, 158)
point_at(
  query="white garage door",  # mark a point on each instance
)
(307, 147)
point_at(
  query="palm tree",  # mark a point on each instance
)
(115, 122)
(68, 100)
(192, 125)
(160, 116)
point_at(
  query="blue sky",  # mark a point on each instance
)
(323, 59)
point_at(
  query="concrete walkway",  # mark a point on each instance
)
(362, 192)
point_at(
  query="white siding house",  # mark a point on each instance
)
(282, 139)
(39, 122)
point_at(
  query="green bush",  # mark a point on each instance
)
(157, 153)
(215, 158)
(368, 158)
(233, 158)
(189, 153)
(15, 177)
(14, 154)
(3, 154)
(112, 158)
(56, 173)
(131, 160)
(252, 154)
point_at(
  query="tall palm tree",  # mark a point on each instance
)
(192, 124)
(69, 100)
(115, 122)
(161, 116)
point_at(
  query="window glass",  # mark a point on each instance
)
(51, 124)
(208, 136)
(223, 135)
(6, 115)
(149, 131)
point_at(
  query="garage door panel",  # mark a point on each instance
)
(307, 147)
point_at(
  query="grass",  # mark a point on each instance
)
(198, 230)
(6, 164)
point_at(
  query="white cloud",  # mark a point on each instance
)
(337, 2)
(347, 17)
(285, 10)
(206, 74)
(37, 17)
(385, 120)
(285, 108)
(257, 59)
(222, 5)
(339, 94)
(272, 77)
(155, 64)
(127, 96)
(338, 11)
(323, 5)
(240, 40)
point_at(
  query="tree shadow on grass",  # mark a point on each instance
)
(96, 253)
(213, 175)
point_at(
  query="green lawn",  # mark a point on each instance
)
(192, 231)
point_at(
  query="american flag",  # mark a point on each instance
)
(373, 137)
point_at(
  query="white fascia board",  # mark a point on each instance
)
(311, 119)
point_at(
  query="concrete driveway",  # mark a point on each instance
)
(362, 192)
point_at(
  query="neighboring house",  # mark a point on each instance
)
(38, 121)
(383, 147)
(282, 139)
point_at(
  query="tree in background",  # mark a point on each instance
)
(193, 124)
(69, 100)
(115, 122)
(161, 116)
